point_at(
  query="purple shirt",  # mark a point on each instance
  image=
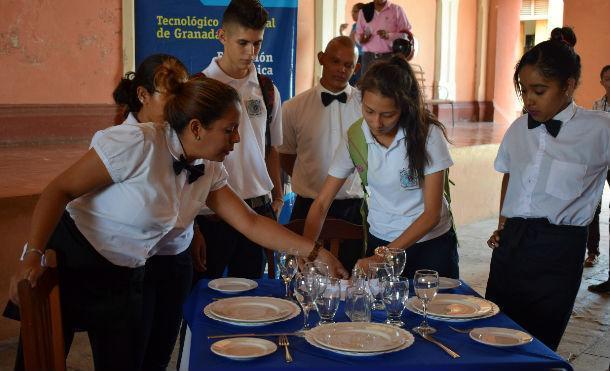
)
(392, 19)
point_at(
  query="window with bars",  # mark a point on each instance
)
(534, 9)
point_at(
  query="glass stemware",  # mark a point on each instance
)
(306, 290)
(357, 303)
(425, 283)
(327, 302)
(378, 274)
(288, 266)
(395, 295)
(398, 259)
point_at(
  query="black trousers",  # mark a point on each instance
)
(535, 274)
(439, 254)
(167, 283)
(348, 210)
(228, 248)
(98, 297)
(368, 58)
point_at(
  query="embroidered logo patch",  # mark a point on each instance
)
(254, 107)
(408, 179)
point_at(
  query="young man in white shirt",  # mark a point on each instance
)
(253, 166)
(314, 123)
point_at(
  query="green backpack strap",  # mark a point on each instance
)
(359, 153)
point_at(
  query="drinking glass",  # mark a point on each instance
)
(395, 295)
(358, 304)
(319, 270)
(398, 259)
(306, 291)
(378, 273)
(287, 263)
(425, 283)
(327, 302)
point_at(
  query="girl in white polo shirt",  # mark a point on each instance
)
(135, 190)
(407, 157)
(554, 161)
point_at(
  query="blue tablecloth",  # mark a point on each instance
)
(421, 355)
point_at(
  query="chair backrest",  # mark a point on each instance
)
(334, 231)
(41, 324)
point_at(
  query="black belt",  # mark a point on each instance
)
(259, 201)
(378, 55)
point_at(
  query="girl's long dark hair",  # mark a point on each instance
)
(395, 79)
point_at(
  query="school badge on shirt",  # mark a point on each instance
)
(408, 179)
(254, 107)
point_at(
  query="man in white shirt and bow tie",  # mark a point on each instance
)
(313, 124)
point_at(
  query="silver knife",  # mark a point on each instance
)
(438, 343)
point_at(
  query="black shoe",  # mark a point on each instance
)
(602, 288)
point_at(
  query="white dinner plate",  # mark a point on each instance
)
(359, 337)
(500, 337)
(446, 283)
(243, 349)
(252, 308)
(296, 310)
(232, 285)
(455, 306)
(406, 342)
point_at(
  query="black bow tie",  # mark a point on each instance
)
(328, 98)
(195, 171)
(552, 126)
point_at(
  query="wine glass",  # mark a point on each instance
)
(319, 270)
(327, 302)
(287, 263)
(395, 295)
(378, 273)
(398, 259)
(425, 283)
(306, 291)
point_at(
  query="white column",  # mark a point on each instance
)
(481, 58)
(445, 56)
(129, 46)
(329, 14)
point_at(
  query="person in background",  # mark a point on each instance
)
(407, 155)
(379, 23)
(253, 166)
(352, 35)
(593, 240)
(554, 161)
(314, 124)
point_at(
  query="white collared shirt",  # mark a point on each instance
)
(560, 178)
(147, 207)
(602, 104)
(394, 201)
(246, 166)
(313, 132)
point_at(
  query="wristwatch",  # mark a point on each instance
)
(381, 250)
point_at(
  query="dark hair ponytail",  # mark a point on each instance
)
(147, 76)
(565, 34)
(395, 79)
(554, 58)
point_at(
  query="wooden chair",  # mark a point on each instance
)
(41, 324)
(421, 79)
(334, 231)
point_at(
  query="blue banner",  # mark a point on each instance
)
(188, 30)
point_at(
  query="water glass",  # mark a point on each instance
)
(306, 291)
(358, 304)
(327, 302)
(398, 259)
(319, 270)
(378, 274)
(395, 295)
(425, 283)
(288, 265)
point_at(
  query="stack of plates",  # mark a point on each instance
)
(455, 308)
(252, 310)
(360, 339)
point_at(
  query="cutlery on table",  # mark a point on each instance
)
(461, 330)
(283, 341)
(438, 343)
(222, 336)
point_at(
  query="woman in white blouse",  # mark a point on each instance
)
(407, 158)
(138, 187)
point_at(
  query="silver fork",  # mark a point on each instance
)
(283, 341)
(461, 330)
